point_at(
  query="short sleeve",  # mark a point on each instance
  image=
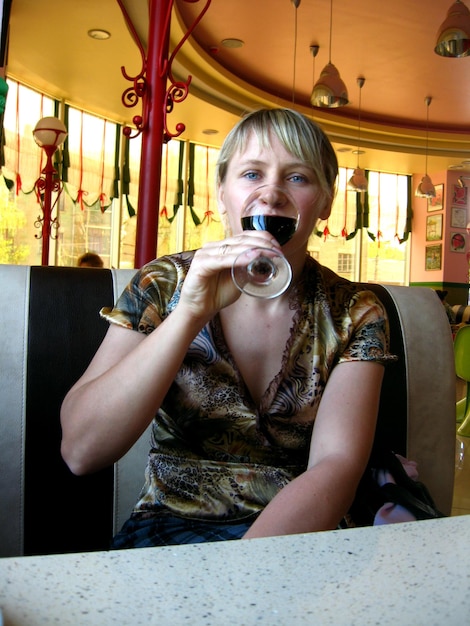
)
(150, 296)
(370, 336)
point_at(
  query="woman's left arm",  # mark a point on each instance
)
(340, 448)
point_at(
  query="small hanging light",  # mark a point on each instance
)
(358, 181)
(329, 91)
(296, 4)
(453, 39)
(314, 48)
(426, 188)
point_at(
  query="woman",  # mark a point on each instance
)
(233, 383)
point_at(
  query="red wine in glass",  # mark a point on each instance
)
(279, 226)
(264, 272)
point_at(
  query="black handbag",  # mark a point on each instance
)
(399, 490)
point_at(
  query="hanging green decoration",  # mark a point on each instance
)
(117, 172)
(179, 184)
(65, 148)
(194, 215)
(409, 213)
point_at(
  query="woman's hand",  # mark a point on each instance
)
(208, 286)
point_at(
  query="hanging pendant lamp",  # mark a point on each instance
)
(329, 91)
(426, 188)
(358, 181)
(453, 39)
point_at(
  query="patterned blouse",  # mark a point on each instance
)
(214, 454)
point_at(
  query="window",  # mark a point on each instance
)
(368, 229)
(364, 238)
(345, 263)
(86, 204)
(202, 223)
(19, 207)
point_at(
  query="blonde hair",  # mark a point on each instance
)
(299, 136)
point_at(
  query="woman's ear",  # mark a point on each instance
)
(326, 211)
(220, 199)
(223, 211)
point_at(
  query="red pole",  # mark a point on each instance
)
(48, 187)
(152, 134)
(46, 224)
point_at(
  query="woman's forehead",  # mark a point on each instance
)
(264, 149)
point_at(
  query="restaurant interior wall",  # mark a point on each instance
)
(440, 254)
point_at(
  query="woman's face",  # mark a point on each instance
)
(274, 165)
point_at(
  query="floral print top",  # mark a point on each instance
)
(214, 453)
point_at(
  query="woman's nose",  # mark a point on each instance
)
(273, 196)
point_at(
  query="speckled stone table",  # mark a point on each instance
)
(414, 573)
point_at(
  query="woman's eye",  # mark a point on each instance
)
(251, 175)
(298, 178)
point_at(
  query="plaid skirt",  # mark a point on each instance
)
(166, 530)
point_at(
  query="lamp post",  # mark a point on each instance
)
(49, 134)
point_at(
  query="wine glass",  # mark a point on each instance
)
(265, 272)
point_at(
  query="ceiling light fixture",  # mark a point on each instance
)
(49, 133)
(99, 34)
(329, 91)
(453, 39)
(314, 48)
(426, 188)
(358, 181)
(232, 43)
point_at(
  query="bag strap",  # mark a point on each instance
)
(416, 505)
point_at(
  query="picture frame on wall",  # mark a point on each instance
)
(434, 227)
(436, 204)
(458, 218)
(458, 242)
(433, 260)
(459, 196)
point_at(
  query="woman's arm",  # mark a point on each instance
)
(110, 406)
(341, 444)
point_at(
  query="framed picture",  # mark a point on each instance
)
(433, 257)
(458, 242)
(436, 204)
(458, 218)
(459, 196)
(434, 227)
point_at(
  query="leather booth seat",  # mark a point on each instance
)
(462, 313)
(50, 329)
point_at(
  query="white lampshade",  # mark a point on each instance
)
(329, 91)
(49, 132)
(358, 181)
(453, 39)
(426, 188)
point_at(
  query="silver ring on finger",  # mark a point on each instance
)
(223, 249)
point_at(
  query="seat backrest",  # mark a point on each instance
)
(462, 353)
(421, 426)
(462, 313)
(50, 330)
